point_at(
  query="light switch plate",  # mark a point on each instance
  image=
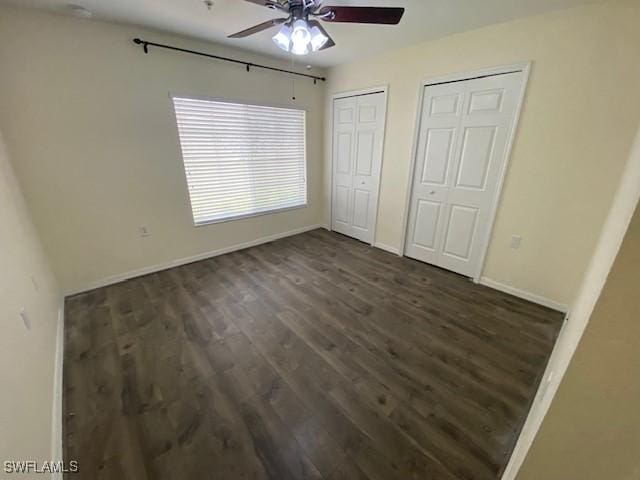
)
(516, 240)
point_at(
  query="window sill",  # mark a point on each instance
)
(249, 215)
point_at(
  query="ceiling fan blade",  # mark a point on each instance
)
(258, 28)
(330, 43)
(384, 15)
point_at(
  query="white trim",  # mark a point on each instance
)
(624, 204)
(524, 68)
(56, 408)
(387, 248)
(532, 297)
(183, 261)
(384, 89)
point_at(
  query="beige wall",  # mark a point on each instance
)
(89, 122)
(26, 356)
(97, 131)
(580, 114)
(592, 430)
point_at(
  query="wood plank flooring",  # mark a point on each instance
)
(311, 357)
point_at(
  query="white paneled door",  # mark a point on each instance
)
(462, 145)
(358, 130)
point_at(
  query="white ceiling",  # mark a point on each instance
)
(423, 20)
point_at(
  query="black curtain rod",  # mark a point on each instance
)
(146, 44)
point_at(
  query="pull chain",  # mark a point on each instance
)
(293, 80)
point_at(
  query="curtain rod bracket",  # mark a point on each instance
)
(145, 46)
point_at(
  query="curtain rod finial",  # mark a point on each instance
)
(145, 45)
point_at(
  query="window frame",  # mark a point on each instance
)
(190, 96)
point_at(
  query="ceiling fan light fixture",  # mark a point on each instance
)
(283, 38)
(300, 37)
(318, 39)
(300, 48)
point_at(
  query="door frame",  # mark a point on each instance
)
(384, 89)
(525, 69)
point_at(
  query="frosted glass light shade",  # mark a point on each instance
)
(283, 38)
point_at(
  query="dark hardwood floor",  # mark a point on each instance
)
(314, 356)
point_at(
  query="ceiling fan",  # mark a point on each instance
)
(301, 35)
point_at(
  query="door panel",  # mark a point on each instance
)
(464, 130)
(358, 131)
(364, 149)
(427, 219)
(344, 153)
(444, 104)
(341, 205)
(345, 111)
(460, 229)
(437, 155)
(477, 152)
(485, 101)
(361, 208)
(367, 113)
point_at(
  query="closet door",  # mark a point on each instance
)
(437, 145)
(344, 120)
(358, 130)
(462, 143)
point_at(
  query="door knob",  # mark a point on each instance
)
(432, 192)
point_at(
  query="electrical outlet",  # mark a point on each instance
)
(144, 231)
(516, 240)
(25, 318)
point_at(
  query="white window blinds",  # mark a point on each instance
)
(241, 160)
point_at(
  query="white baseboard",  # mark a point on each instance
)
(387, 248)
(183, 261)
(56, 408)
(532, 297)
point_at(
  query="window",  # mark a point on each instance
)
(241, 160)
